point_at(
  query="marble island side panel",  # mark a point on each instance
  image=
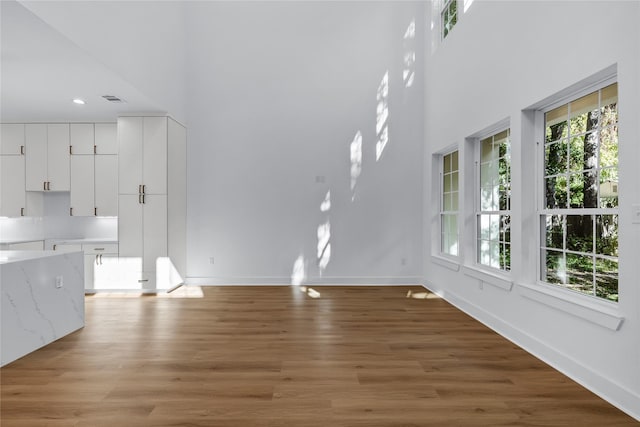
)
(42, 300)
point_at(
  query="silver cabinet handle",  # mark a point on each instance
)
(98, 249)
(140, 189)
(143, 280)
(144, 187)
(140, 198)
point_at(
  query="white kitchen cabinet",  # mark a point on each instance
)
(152, 203)
(106, 138)
(47, 157)
(81, 138)
(13, 201)
(101, 269)
(82, 197)
(106, 185)
(34, 245)
(11, 138)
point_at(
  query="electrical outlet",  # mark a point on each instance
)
(211, 260)
(59, 281)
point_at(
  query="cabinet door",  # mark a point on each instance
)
(154, 167)
(90, 264)
(106, 274)
(36, 157)
(130, 227)
(106, 185)
(106, 137)
(129, 155)
(12, 194)
(81, 138)
(82, 190)
(58, 157)
(154, 230)
(11, 138)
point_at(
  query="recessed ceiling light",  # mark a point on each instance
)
(78, 101)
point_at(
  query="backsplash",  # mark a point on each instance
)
(57, 224)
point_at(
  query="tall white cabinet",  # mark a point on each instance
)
(152, 201)
(94, 177)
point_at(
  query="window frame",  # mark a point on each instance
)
(445, 5)
(540, 193)
(477, 202)
(441, 208)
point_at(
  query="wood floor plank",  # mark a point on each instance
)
(269, 356)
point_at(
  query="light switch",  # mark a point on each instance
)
(635, 214)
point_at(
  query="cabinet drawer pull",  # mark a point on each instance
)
(98, 249)
(22, 150)
(21, 211)
(143, 280)
(95, 149)
(70, 150)
(140, 189)
(44, 186)
(144, 188)
(70, 211)
(54, 247)
(95, 211)
(140, 198)
(48, 185)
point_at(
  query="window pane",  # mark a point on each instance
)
(609, 146)
(504, 198)
(454, 181)
(486, 150)
(454, 201)
(454, 161)
(584, 113)
(486, 199)
(556, 192)
(607, 235)
(447, 205)
(555, 158)
(553, 226)
(487, 173)
(555, 271)
(576, 153)
(505, 228)
(505, 256)
(580, 273)
(583, 190)
(580, 233)
(447, 183)
(556, 123)
(609, 188)
(446, 163)
(607, 279)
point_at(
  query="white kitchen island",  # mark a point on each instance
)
(42, 299)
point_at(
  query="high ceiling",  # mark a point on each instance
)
(42, 71)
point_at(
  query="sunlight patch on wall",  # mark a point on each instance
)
(324, 236)
(409, 72)
(382, 116)
(299, 274)
(356, 162)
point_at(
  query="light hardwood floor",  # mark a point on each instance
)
(276, 356)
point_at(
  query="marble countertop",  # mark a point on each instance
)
(11, 241)
(7, 257)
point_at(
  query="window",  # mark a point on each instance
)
(493, 216)
(579, 219)
(449, 204)
(449, 16)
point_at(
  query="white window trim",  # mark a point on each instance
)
(503, 275)
(440, 253)
(600, 80)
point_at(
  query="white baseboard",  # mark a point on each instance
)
(286, 281)
(619, 396)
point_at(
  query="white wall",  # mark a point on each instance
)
(141, 41)
(501, 58)
(277, 92)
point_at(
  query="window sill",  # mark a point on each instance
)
(445, 262)
(601, 314)
(490, 278)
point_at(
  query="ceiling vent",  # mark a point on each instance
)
(112, 98)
